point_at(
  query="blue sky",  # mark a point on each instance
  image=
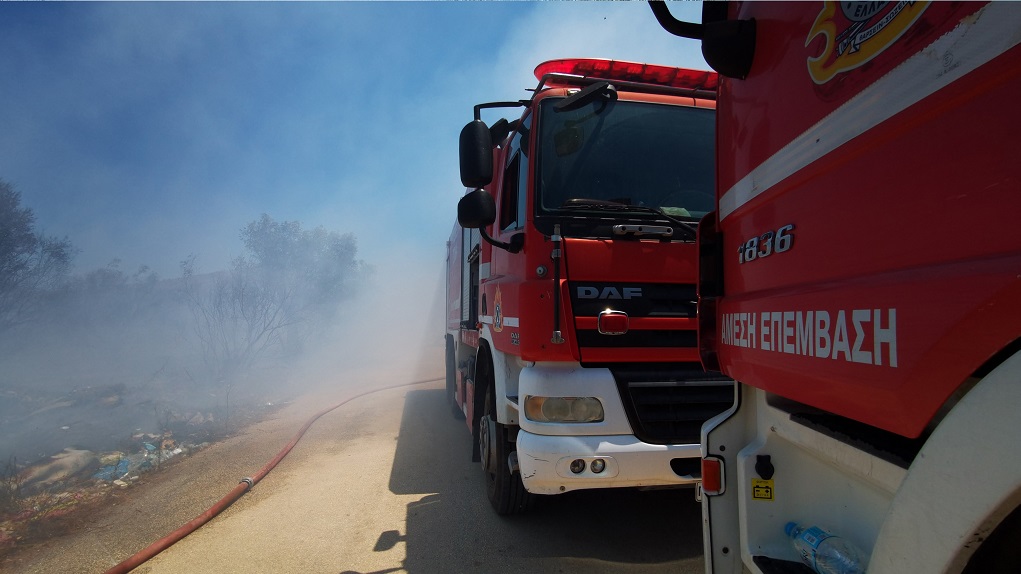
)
(151, 131)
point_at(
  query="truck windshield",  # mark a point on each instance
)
(608, 155)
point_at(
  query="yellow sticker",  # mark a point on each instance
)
(762, 489)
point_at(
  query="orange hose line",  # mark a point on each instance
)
(244, 486)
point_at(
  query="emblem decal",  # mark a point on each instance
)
(609, 293)
(856, 32)
(498, 312)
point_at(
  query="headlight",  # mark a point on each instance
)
(563, 409)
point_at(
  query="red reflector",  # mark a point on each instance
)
(631, 72)
(612, 322)
(712, 476)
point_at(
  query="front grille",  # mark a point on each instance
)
(638, 300)
(588, 299)
(669, 405)
(650, 338)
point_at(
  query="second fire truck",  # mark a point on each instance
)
(571, 342)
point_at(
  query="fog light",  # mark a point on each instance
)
(577, 466)
(598, 465)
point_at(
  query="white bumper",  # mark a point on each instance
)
(545, 462)
(545, 450)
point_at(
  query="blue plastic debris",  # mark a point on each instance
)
(105, 473)
(111, 471)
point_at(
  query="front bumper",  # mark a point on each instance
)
(545, 461)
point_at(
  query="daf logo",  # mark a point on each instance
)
(609, 293)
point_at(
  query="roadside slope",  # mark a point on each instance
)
(382, 484)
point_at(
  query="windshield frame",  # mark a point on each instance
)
(597, 218)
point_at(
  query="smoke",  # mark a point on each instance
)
(117, 366)
(148, 132)
(391, 333)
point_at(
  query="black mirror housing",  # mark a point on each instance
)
(475, 148)
(476, 210)
(728, 46)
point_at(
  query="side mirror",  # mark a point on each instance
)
(475, 148)
(500, 130)
(728, 46)
(476, 209)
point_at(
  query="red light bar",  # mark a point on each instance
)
(630, 72)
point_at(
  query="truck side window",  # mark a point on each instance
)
(509, 201)
(522, 177)
(515, 185)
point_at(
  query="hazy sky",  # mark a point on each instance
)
(151, 131)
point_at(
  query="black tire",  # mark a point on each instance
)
(505, 490)
(1001, 552)
(477, 398)
(455, 409)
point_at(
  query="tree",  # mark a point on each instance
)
(283, 290)
(237, 319)
(30, 263)
(313, 270)
(319, 264)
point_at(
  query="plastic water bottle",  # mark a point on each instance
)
(824, 552)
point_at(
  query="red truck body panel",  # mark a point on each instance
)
(911, 159)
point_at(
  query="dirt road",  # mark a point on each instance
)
(382, 484)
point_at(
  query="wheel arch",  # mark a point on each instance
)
(505, 373)
(964, 483)
(483, 378)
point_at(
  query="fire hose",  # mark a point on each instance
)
(246, 484)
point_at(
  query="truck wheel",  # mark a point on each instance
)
(506, 492)
(1000, 552)
(455, 409)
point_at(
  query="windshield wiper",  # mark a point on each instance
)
(602, 205)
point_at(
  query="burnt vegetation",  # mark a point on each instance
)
(112, 358)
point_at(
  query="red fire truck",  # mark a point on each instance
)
(861, 280)
(571, 347)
